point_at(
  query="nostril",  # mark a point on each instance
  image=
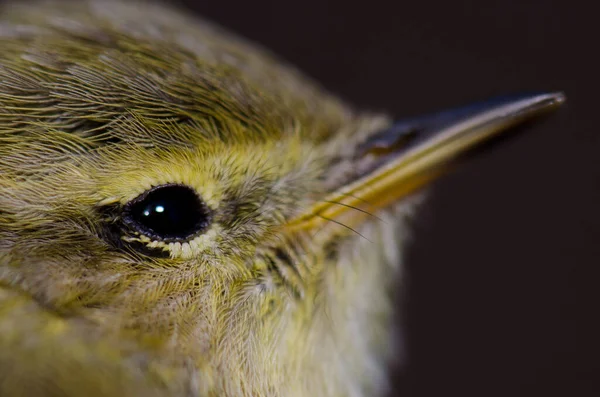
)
(389, 140)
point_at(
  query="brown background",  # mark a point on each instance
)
(503, 271)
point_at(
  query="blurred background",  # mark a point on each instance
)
(501, 299)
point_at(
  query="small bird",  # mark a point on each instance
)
(183, 214)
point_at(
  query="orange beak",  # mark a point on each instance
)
(410, 154)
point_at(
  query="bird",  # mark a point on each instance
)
(182, 213)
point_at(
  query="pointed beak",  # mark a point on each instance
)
(394, 163)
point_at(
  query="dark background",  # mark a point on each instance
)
(503, 270)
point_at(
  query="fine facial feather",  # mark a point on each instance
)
(100, 101)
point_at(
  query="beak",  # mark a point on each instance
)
(394, 163)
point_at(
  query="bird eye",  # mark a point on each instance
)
(168, 213)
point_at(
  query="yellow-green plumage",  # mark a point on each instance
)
(99, 101)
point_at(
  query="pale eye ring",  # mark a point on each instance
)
(168, 213)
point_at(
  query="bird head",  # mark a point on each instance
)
(161, 176)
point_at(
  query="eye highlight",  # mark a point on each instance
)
(168, 213)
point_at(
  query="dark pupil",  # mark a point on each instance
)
(169, 212)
